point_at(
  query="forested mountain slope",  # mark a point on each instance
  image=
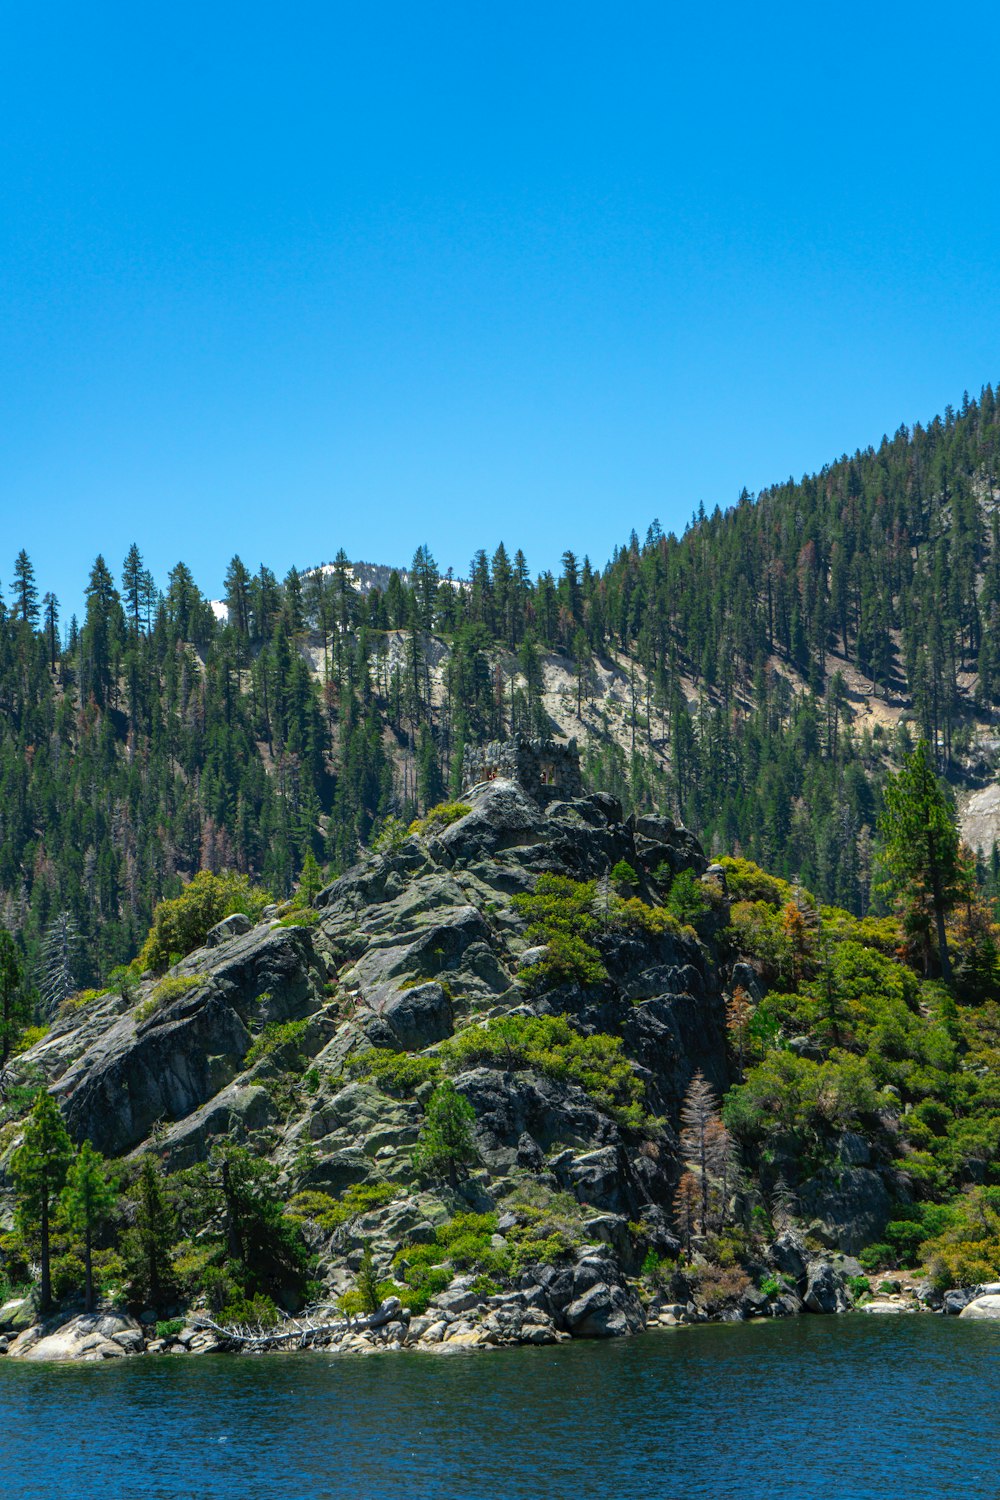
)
(754, 677)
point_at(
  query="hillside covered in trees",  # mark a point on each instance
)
(754, 678)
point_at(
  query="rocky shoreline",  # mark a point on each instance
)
(460, 1319)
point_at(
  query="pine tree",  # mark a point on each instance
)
(39, 1167)
(147, 1244)
(920, 847)
(15, 1002)
(445, 1142)
(89, 1197)
(24, 589)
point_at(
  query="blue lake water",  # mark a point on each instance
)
(847, 1408)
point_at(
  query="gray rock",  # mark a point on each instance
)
(957, 1298)
(850, 1207)
(825, 1291)
(604, 1312)
(987, 1307)
(229, 928)
(788, 1254)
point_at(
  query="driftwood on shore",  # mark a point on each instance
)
(294, 1333)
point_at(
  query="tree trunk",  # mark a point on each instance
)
(46, 1289)
(942, 939)
(88, 1288)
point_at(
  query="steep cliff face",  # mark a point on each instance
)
(267, 1038)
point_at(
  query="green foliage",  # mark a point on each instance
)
(181, 924)
(368, 1286)
(551, 1045)
(624, 876)
(29, 1036)
(687, 900)
(395, 1072)
(748, 882)
(303, 916)
(331, 1213)
(257, 1312)
(168, 1328)
(859, 1286)
(438, 818)
(560, 913)
(39, 1167)
(15, 1001)
(169, 989)
(276, 1036)
(124, 981)
(446, 1143)
(810, 1103)
(146, 1244)
(920, 851)
(771, 1285)
(88, 1199)
(967, 1251)
(391, 836)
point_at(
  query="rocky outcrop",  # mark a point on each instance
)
(411, 946)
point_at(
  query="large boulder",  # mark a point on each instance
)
(825, 1291)
(987, 1307)
(604, 1311)
(91, 1336)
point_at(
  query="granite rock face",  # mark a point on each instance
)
(261, 1037)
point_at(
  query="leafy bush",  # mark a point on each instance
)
(391, 836)
(436, 819)
(182, 924)
(560, 913)
(624, 876)
(633, 915)
(331, 1213)
(168, 1328)
(169, 989)
(874, 1257)
(275, 1035)
(770, 1285)
(968, 1250)
(396, 1072)
(29, 1037)
(258, 1312)
(859, 1286)
(748, 882)
(597, 1064)
(303, 917)
(687, 900)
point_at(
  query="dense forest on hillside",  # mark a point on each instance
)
(152, 738)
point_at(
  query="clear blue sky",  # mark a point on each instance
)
(278, 279)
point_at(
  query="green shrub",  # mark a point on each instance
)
(859, 1286)
(275, 1035)
(396, 1072)
(771, 1285)
(549, 1044)
(303, 917)
(624, 876)
(748, 882)
(436, 819)
(330, 1213)
(874, 1257)
(169, 1328)
(29, 1037)
(182, 924)
(251, 1312)
(687, 900)
(560, 913)
(169, 989)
